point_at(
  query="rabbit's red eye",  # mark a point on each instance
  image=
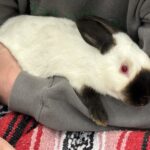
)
(124, 69)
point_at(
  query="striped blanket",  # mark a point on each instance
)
(24, 133)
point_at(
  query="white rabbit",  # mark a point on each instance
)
(92, 55)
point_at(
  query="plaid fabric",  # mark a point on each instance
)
(24, 133)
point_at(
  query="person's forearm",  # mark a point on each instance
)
(52, 102)
(4, 145)
(9, 70)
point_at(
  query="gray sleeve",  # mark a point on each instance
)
(52, 102)
(144, 29)
(8, 8)
(144, 34)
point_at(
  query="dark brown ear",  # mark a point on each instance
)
(97, 32)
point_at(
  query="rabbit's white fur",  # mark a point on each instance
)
(47, 46)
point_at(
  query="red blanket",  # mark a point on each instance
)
(24, 133)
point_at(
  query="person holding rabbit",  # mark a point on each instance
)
(19, 89)
(22, 91)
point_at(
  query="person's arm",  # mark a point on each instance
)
(8, 67)
(4, 145)
(52, 102)
(144, 34)
(9, 70)
(8, 8)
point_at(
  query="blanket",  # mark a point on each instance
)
(24, 133)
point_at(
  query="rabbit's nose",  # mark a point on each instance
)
(138, 91)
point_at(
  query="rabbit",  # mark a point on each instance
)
(95, 57)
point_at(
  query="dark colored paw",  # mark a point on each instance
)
(92, 100)
(99, 116)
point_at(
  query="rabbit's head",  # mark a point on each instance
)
(124, 66)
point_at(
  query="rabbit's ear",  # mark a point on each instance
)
(97, 32)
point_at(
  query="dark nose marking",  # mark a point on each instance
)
(138, 91)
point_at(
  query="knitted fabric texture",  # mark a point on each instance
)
(24, 133)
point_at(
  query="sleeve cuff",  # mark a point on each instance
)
(27, 92)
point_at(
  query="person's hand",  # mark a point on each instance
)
(9, 70)
(4, 145)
